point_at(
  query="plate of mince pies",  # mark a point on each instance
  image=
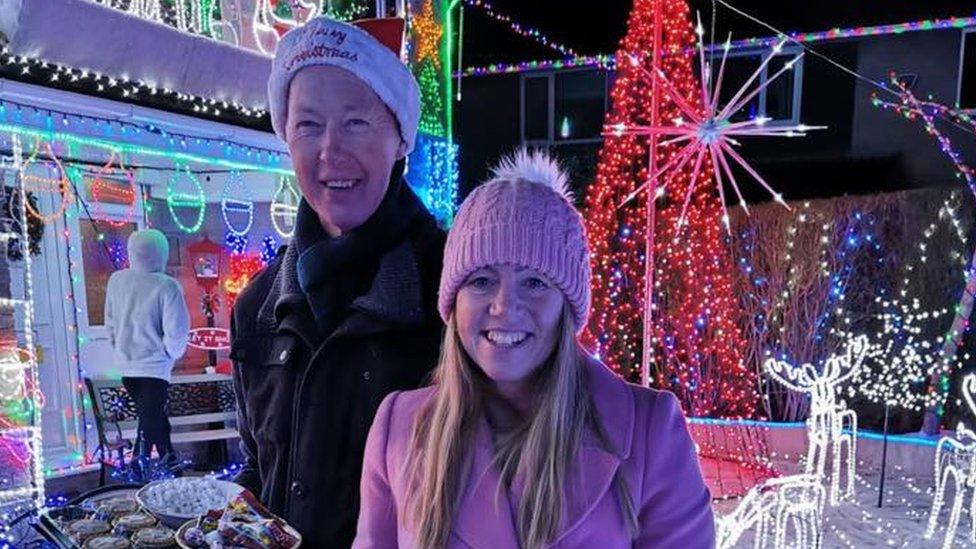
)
(115, 522)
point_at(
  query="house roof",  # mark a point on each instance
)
(88, 48)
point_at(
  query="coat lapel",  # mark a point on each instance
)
(591, 472)
(484, 518)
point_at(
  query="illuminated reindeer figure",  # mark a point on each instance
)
(771, 508)
(829, 417)
(955, 458)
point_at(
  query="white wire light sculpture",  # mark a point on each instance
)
(831, 426)
(783, 512)
(955, 462)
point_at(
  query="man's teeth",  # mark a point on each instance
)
(340, 184)
(506, 339)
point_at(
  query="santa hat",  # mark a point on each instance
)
(370, 49)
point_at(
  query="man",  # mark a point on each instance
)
(148, 326)
(347, 313)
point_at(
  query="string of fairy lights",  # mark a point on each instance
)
(187, 204)
(20, 424)
(60, 146)
(609, 62)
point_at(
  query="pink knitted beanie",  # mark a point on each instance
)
(522, 216)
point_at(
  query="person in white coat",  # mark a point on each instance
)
(148, 325)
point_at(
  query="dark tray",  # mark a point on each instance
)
(86, 503)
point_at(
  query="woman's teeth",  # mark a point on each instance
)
(340, 184)
(506, 339)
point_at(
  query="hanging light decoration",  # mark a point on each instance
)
(184, 192)
(237, 202)
(284, 208)
(56, 181)
(114, 191)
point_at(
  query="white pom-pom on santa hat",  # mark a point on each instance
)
(535, 166)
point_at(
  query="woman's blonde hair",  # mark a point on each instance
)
(541, 448)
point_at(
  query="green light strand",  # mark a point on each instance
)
(447, 49)
(176, 157)
(431, 107)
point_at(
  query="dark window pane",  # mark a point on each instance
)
(967, 92)
(580, 99)
(98, 238)
(536, 103)
(779, 93)
(580, 161)
(737, 71)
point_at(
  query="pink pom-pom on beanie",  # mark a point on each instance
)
(522, 216)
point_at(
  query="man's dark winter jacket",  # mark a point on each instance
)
(306, 400)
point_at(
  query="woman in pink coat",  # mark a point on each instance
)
(523, 440)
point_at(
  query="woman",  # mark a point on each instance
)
(523, 440)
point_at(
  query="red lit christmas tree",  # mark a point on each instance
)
(696, 344)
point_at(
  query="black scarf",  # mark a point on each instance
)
(332, 272)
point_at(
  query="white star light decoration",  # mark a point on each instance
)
(709, 130)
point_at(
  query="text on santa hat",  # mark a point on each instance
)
(321, 51)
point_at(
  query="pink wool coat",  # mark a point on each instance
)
(650, 446)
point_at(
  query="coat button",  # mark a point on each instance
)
(297, 489)
(366, 375)
(283, 356)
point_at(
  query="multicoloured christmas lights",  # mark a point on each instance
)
(693, 340)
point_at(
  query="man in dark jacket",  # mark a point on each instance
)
(347, 313)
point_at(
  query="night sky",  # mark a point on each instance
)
(595, 27)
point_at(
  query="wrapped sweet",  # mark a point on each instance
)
(246, 506)
(244, 523)
(195, 537)
(209, 521)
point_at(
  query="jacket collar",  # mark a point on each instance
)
(487, 518)
(395, 298)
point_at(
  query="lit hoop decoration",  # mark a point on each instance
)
(182, 198)
(235, 187)
(284, 208)
(60, 185)
(104, 191)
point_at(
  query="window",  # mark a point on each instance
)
(563, 107)
(580, 104)
(967, 71)
(779, 101)
(100, 241)
(535, 109)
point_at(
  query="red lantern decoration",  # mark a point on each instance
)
(205, 257)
